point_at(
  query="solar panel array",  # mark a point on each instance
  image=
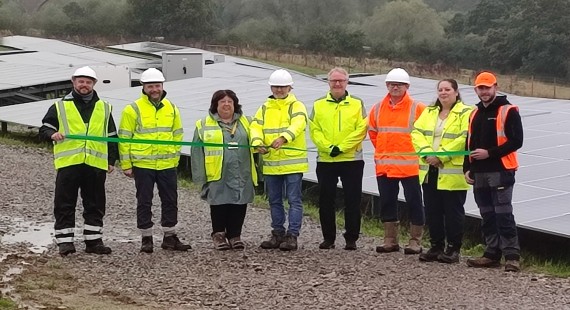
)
(542, 190)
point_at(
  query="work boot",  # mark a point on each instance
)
(289, 243)
(274, 242)
(172, 243)
(431, 255)
(390, 238)
(236, 243)
(220, 242)
(326, 245)
(96, 247)
(415, 244)
(147, 245)
(450, 256)
(512, 266)
(350, 245)
(483, 262)
(66, 248)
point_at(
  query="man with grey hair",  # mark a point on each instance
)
(338, 126)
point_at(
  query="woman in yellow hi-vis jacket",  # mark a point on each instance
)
(442, 127)
(227, 173)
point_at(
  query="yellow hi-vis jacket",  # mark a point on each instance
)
(453, 138)
(71, 152)
(281, 118)
(210, 131)
(142, 120)
(341, 123)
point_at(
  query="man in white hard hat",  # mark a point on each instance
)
(153, 117)
(390, 124)
(81, 165)
(281, 122)
(338, 125)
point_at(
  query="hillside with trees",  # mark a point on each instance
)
(523, 36)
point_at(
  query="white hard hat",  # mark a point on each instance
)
(152, 75)
(280, 78)
(398, 75)
(85, 71)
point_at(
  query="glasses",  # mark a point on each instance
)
(391, 85)
(337, 81)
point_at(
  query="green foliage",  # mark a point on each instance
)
(404, 29)
(7, 304)
(337, 40)
(175, 19)
(11, 13)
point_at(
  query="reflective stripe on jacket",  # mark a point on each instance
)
(142, 120)
(454, 136)
(342, 124)
(389, 128)
(73, 152)
(210, 132)
(509, 161)
(281, 118)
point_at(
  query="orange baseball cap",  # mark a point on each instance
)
(485, 79)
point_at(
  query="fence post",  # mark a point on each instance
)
(532, 85)
(554, 88)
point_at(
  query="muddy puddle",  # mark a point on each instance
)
(37, 236)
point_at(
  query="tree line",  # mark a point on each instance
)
(508, 36)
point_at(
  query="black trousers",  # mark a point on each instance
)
(389, 188)
(228, 218)
(350, 174)
(445, 213)
(167, 184)
(90, 182)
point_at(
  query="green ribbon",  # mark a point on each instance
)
(202, 144)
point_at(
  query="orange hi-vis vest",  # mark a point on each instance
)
(389, 128)
(510, 160)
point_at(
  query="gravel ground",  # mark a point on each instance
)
(252, 279)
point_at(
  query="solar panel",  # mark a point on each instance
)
(542, 190)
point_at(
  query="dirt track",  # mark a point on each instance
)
(252, 279)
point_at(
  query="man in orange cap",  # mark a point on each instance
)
(495, 134)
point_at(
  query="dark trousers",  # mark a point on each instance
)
(350, 174)
(228, 218)
(493, 192)
(445, 214)
(389, 189)
(90, 182)
(167, 185)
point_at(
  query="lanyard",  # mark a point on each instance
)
(233, 130)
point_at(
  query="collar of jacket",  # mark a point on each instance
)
(73, 95)
(330, 98)
(500, 100)
(279, 102)
(406, 99)
(160, 104)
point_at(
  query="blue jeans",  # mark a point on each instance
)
(292, 185)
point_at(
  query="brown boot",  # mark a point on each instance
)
(220, 242)
(415, 244)
(274, 241)
(483, 262)
(390, 238)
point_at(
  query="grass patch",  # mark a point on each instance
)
(7, 304)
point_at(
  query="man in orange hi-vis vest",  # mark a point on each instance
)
(495, 134)
(390, 123)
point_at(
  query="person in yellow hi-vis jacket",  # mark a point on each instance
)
(227, 174)
(281, 121)
(81, 165)
(338, 124)
(153, 117)
(442, 127)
